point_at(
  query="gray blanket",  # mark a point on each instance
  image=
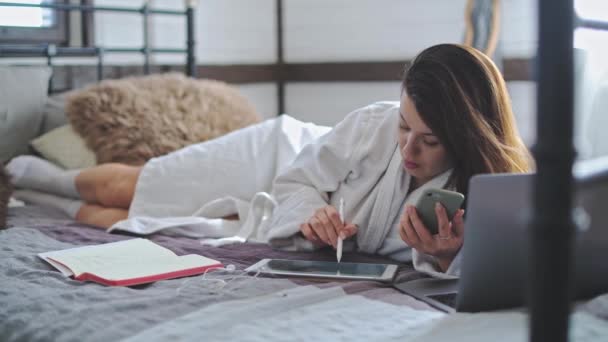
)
(37, 303)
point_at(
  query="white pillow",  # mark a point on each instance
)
(22, 97)
(54, 112)
(65, 148)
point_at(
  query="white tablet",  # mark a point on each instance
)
(325, 269)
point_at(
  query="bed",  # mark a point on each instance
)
(37, 303)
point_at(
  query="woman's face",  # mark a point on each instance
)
(424, 157)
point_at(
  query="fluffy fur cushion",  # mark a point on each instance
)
(5, 194)
(134, 119)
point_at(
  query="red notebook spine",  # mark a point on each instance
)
(148, 279)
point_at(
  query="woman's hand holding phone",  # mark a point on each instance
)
(443, 246)
(324, 227)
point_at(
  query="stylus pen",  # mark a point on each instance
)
(339, 244)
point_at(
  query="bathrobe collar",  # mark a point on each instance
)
(391, 200)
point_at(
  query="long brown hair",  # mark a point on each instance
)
(462, 97)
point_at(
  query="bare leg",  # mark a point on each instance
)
(100, 216)
(110, 185)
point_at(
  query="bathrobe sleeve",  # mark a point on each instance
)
(318, 171)
(427, 264)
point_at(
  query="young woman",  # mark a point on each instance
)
(284, 179)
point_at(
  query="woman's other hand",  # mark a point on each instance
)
(325, 226)
(443, 246)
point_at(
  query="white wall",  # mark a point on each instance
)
(263, 96)
(363, 30)
(359, 30)
(328, 103)
(119, 30)
(519, 39)
(592, 90)
(243, 32)
(523, 98)
(227, 31)
(518, 36)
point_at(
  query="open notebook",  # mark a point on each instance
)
(126, 263)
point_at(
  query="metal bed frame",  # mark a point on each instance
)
(51, 51)
(552, 223)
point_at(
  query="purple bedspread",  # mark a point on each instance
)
(37, 303)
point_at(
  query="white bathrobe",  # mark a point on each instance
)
(274, 175)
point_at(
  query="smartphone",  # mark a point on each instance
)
(425, 206)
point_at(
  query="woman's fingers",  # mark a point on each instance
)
(349, 230)
(325, 226)
(458, 223)
(403, 235)
(443, 245)
(326, 222)
(319, 229)
(310, 235)
(334, 217)
(443, 222)
(306, 231)
(408, 229)
(423, 233)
